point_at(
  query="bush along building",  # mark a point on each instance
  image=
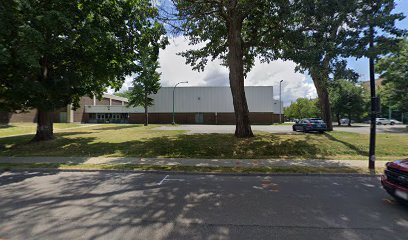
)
(192, 105)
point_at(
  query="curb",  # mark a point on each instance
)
(192, 173)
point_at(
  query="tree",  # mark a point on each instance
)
(303, 108)
(316, 40)
(125, 94)
(54, 52)
(234, 31)
(394, 70)
(346, 99)
(375, 15)
(147, 82)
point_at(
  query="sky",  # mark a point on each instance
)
(294, 85)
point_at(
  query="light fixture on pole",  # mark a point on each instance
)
(280, 101)
(174, 122)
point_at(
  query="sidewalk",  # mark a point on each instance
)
(195, 162)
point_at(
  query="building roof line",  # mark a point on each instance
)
(114, 97)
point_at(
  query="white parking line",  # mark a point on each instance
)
(164, 179)
(168, 179)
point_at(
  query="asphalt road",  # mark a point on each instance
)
(356, 128)
(107, 205)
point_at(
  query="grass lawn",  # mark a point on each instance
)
(29, 128)
(112, 140)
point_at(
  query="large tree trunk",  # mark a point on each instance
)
(146, 114)
(45, 128)
(236, 78)
(320, 78)
(146, 117)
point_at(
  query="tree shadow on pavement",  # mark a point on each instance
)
(135, 206)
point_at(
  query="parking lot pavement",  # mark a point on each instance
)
(102, 205)
(356, 128)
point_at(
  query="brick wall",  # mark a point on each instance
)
(79, 114)
(116, 102)
(209, 118)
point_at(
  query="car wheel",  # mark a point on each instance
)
(378, 123)
(294, 129)
(392, 123)
(305, 130)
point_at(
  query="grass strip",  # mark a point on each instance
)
(194, 169)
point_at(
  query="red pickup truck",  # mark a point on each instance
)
(395, 179)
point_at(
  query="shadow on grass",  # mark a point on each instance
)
(182, 146)
(346, 126)
(347, 144)
(6, 126)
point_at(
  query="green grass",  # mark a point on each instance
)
(112, 140)
(200, 169)
(29, 128)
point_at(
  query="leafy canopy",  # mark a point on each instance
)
(346, 98)
(206, 24)
(394, 70)
(147, 82)
(303, 108)
(54, 52)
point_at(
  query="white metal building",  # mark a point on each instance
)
(211, 105)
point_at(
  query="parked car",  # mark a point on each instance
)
(382, 121)
(395, 179)
(393, 121)
(346, 121)
(310, 125)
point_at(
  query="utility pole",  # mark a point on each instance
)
(174, 89)
(280, 101)
(374, 101)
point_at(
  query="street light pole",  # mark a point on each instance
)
(280, 101)
(174, 89)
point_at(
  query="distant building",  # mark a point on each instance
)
(193, 105)
(378, 84)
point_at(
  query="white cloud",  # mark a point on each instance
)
(174, 69)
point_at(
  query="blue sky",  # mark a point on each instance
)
(361, 65)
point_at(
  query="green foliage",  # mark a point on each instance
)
(125, 94)
(340, 71)
(372, 17)
(394, 70)
(54, 52)
(347, 99)
(208, 23)
(303, 108)
(147, 81)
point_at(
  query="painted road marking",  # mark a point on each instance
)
(169, 179)
(268, 185)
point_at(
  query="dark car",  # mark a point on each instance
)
(395, 179)
(310, 125)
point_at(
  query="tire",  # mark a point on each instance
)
(379, 123)
(392, 123)
(305, 130)
(294, 129)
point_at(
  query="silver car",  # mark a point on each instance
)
(382, 121)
